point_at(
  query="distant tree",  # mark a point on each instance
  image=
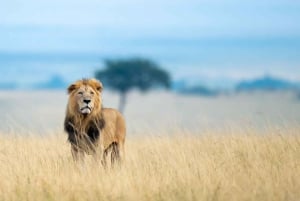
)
(124, 75)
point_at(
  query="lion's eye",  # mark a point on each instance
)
(80, 92)
(92, 92)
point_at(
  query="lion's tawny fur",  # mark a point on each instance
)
(100, 131)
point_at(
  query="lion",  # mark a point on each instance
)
(92, 129)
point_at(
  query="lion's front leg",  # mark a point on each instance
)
(97, 155)
(78, 155)
(104, 155)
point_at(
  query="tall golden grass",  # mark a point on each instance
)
(241, 165)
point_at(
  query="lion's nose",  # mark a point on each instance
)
(87, 101)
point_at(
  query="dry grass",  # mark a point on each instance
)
(233, 166)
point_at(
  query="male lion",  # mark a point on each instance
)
(92, 129)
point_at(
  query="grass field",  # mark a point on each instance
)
(231, 166)
(233, 162)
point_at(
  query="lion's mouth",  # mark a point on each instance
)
(86, 110)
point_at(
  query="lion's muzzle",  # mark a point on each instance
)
(86, 106)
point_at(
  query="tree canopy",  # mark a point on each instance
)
(124, 75)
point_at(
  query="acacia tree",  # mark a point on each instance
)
(123, 75)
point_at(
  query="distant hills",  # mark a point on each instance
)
(8, 86)
(184, 87)
(199, 90)
(266, 83)
(55, 82)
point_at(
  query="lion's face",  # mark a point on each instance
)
(85, 96)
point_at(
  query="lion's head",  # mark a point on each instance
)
(85, 97)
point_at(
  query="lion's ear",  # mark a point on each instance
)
(97, 84)
(71, 88)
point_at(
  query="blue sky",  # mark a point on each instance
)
(210, 40)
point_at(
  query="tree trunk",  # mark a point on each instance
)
(122, 103)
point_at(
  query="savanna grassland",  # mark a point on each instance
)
(174, 151)
(184, 167)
